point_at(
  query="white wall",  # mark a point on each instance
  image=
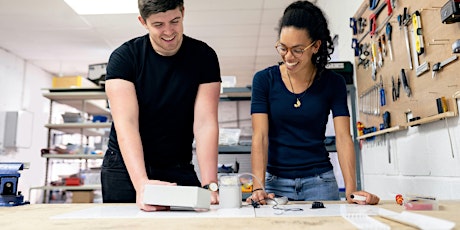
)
(20, 85)
(338, 14)
(425, 160)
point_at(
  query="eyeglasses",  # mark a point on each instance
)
(296, 52)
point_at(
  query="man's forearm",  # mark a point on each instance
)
(207, 153)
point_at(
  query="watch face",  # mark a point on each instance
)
(213, 187)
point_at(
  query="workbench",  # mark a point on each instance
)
(40, 216)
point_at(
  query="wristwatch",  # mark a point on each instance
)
(211, 186)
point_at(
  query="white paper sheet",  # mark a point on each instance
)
(344, 210)
(329, 210)
(116, 212)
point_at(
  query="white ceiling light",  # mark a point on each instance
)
(85, 7)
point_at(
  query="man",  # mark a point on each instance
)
(163, 90)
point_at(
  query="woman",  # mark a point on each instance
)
(290, 107)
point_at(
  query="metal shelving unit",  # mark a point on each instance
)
(89, 102)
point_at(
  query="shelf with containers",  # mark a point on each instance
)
(75, 146)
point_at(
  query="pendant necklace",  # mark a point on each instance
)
(298, 103)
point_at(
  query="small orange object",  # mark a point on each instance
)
(399, 199)
(360, 128)
(73, 181)
(247, 188)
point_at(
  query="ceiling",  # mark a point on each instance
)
(50, 35)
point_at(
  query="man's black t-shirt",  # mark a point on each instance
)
(166, 88)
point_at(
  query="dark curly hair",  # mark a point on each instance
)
(305, 15)
(149, 7)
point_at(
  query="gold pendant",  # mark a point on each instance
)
(297, 104)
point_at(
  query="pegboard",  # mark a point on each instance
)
(425, 89)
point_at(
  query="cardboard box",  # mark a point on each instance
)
(73, 82)
(82, 196)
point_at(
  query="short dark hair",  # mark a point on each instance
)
(305, 15)
(149, 7)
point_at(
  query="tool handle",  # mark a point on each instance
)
(393, 93)
(405, 83)
(373, 4)
(373, 24)
(389, 29)
(405, 16)
(390, 9)
(353, 26)
(403, 77)
(374, 52)
(382, 97)
(355, 46)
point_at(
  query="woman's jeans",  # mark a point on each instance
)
(319, 187)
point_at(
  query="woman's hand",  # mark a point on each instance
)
(259, 196)
(367, 198)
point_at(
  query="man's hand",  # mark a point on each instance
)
(140, 196)
(214, 198)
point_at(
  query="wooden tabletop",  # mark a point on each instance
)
(37, 216)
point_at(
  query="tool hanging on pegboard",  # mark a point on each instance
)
(456, 47)
(380, 52)
(426, 41)
(373, 17)
(438, 66)
(404, 21)
(417, 24)
(383, 100)
(370, 100)
(405, 83)
(419, 47)
(358, 23)
(395, 88)
(388, 31)
(374, 60)
(373, 29)
(450, 12)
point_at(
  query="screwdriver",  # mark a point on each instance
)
(380, 52)
(384, 45)
(389, 29)
(382, 93)
(374, 60)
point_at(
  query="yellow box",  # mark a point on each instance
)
(82, 196)
(73, 82)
